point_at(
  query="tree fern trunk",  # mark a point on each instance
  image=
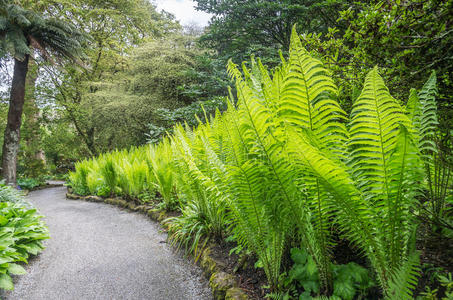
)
(35, 159)
(12, 130)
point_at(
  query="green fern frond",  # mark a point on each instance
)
(307, 98)
(374, 125)
(353, 214)
(413, 107)
(404, 280)
(428, 116)
(405, 171)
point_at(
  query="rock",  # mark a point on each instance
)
(235, 293)
(72, 196)
(221, 282)
(94, 199)
(140, 208)
(121, 203)
(208, 264)
(153, 214)
(109, 201)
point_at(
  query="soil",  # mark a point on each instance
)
(436, 257)
(251, 279)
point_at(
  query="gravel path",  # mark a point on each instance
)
(98, 251)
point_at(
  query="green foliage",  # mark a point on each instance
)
(93, 99)
(21, 28)
(30, 183)
(284, 164)
(348, 280)
(436, 150)
(236, 29)
(104, 191)
(109, 175)
(21, 233)
(78, 179)
(446, 283)
(190, 231)
(162, 173)
(405, 38)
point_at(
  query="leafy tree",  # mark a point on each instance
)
(406, 39)
(115, 27)
(163, 81)
(240, 28)
(20, 31)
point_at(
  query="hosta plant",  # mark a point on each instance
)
(21, 235)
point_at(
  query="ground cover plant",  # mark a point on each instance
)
(284, 171)
(26, 183)
(21, 234)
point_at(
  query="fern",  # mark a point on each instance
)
(108, 173)
(428, 117)
(307, 98)
(161, 171)
(375, 120)
(404, 280)
(435, 150)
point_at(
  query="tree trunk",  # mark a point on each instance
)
(12, 130)
(33, 156)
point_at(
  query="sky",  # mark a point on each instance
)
(184, 11)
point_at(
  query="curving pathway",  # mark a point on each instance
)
(98, 251)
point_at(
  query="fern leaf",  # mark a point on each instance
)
(307, 98)
(404, 280)
(405, 171)
(374, 125)
(353, 213)
(428, 116)
(413, 107)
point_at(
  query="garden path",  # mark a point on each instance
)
(97, 251)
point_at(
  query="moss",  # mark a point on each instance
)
(208, 265)
(145, 208)
(162, 216)
(235, 293)
(140, 208)
(153, 214)
(221, 282)
(109, 201)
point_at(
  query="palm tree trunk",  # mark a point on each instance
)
(12, 130)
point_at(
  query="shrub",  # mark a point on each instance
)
(29, 183)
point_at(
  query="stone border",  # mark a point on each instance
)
(224, 286)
